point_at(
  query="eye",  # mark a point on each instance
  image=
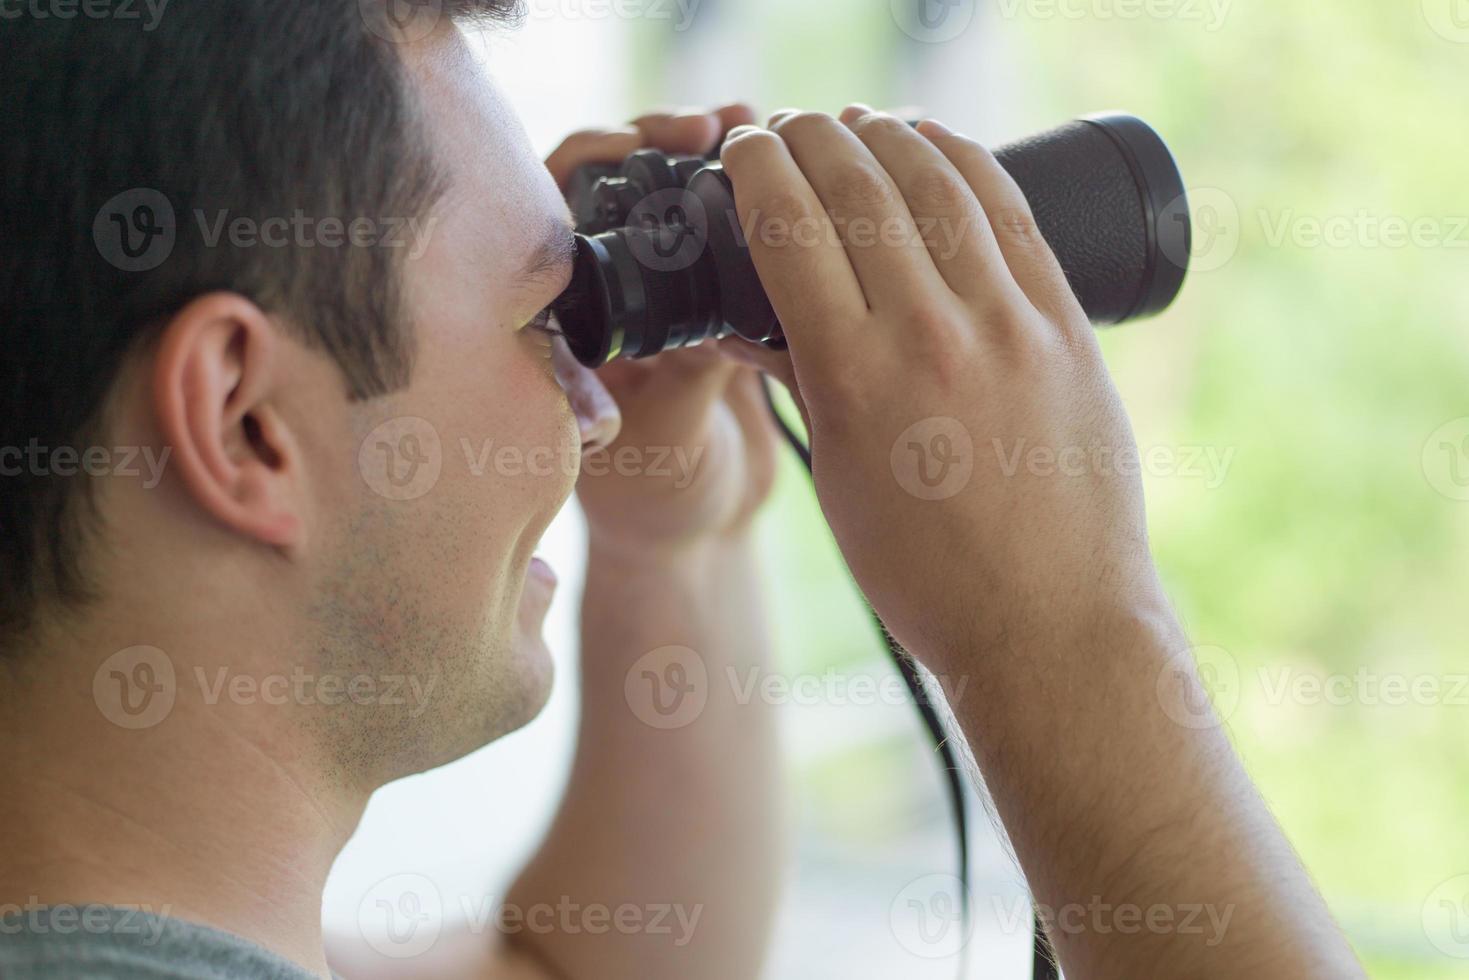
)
(545, 323)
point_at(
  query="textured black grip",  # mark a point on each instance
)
(1109, 200)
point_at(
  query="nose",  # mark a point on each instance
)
(597, 415)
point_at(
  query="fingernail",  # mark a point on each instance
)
(935, 128)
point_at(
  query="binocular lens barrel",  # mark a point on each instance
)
(662, 260)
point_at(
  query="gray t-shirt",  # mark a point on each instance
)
(98, 943)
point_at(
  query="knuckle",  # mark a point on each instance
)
(1017, 227)
(932, 327)
(780, 219)
(878, 124)
(858, 187)
(747, 147)
(936, 190)
(799, 125)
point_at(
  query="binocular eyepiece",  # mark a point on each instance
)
(663, 260)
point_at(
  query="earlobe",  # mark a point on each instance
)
(215, 381)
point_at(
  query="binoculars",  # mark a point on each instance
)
(662, 260)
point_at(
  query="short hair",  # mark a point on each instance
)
(123, 123)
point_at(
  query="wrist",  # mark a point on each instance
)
(633, 550)
(613, 551)
(1132, 625)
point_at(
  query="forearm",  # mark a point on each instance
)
(675, 809)
(1140, 834)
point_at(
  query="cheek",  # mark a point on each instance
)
(535, 431)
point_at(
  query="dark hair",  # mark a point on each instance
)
(117, 129)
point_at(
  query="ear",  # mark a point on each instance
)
(216, 378)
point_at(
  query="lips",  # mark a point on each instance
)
(542, 572)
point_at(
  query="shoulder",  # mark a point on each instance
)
(457, 954)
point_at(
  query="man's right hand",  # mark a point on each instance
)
(970, 452)
(980, 475)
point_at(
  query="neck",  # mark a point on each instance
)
(217, 813)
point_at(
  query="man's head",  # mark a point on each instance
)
(294, 247)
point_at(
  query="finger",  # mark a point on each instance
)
(1031, 262)
(591, 146)
(948, 216)
(690, 132)
(868, 211)
(733, 116)
(800, 260)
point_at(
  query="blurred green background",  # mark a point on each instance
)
(1334, 546)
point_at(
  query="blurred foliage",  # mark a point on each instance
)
(1322, 370)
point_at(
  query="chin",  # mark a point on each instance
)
(534, 675)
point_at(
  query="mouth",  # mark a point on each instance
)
(542, 572)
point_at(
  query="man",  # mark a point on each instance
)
(204, 672)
